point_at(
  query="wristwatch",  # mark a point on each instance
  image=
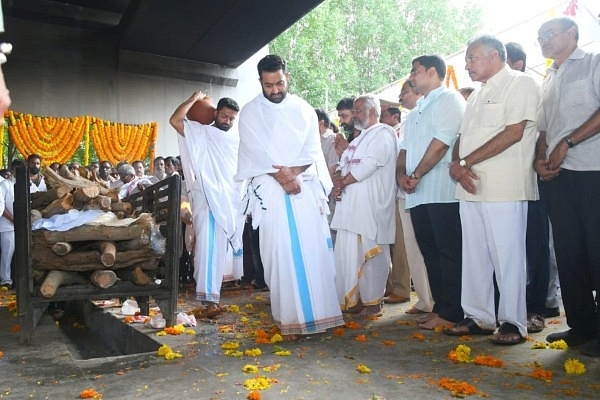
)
(569, 142)
(463, 163)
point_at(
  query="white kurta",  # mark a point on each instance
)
(209, 158)
(364, 217)
(295, 245)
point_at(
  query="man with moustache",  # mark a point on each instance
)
(288, 182)
(209, 158)
(364, 216)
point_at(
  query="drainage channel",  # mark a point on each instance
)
(93, 334)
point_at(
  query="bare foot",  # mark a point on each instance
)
(436, 322)
(425, 318)
(370, 312)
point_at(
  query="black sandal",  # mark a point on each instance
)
(508, 335)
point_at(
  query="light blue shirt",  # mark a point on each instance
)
(438, 115)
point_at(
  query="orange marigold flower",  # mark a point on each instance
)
(254, 395)
(457, 388)
(128, 319)
(339, 332)
(542, 374)
(418, 336)
(488, 361)
(352, 325)
(90, 394)
(361, 338)
(388, 343)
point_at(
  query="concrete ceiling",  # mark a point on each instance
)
(174, 34)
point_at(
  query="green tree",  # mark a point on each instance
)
(350, 47)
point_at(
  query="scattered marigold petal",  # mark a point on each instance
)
(363, 369)
(352, 325)
(388, 342)
(542, 374)
(559, 345)
(456, 387)
(339, 332)
(488, 361)
(361, 338)
(254, 395)
(90, 393)
(418, 336)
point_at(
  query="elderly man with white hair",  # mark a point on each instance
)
(364, 217)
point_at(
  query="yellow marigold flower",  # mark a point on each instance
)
(260, 383)
(272, 368)
(161, 333)
(233, 353)
(249, 306)
(190, 332)
(574, 367)
(172, 355)
(4, 289)
(539, 345)
(164, 349)
(179, 328)
(276, 338)
(559, 345)
(234, 308)
(259, 298)
(244, 320)
(363, 369)
(250, 369)
(253, 352)
(230, 345)
(283, 353)
(462, 353)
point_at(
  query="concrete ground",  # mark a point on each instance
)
(404, 361)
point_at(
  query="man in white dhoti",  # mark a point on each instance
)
(209, 158)
(280, 153)
(364, 216)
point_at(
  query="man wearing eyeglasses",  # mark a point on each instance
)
(567, 156)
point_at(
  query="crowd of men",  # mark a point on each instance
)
(457, 198)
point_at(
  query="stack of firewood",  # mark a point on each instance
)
(97, 253)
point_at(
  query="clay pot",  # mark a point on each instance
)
(202, 111)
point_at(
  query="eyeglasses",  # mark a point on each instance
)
(547, 36)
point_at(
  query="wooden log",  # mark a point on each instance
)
(86, 194)
(62, 248)
(55, 279)
(42, 199)
(100, 232)
(122, 206)
(58, 206)
(54, 179)
(44, 259)
(134, 244)
(65, 172)
(108, 252)
(135, 275)
(100, 202)
(149, 265)
(103, 278)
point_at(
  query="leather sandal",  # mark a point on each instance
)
(467, 327)
(508, 335)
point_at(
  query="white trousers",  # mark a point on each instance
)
(494, 241)
(416, 265)
(7, 245)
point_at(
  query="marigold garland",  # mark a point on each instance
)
(56, 139)
(451, 76)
